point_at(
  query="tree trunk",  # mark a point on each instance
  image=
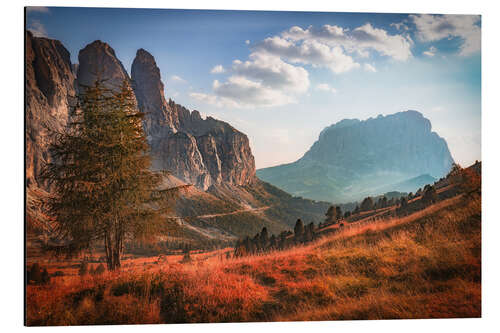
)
(114, 248)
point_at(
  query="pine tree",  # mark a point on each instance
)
(264, 238)
(331, 215)
(104, 189)
(299, 229)
(367, 204)
(338, 212)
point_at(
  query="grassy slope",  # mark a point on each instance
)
(427, 264)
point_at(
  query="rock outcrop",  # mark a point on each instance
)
(98, 60)
(203, 152)
(354, 158)
(50, 92)
(228, 201)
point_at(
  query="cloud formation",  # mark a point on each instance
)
(431, 52)
(178, 79)
(240, 92)
(360, 40)
(369, 68)
(432, 28)
(275, 71)
(310, 52)
(263, 80)
(37, 28)
(326, 87)
(217, 69)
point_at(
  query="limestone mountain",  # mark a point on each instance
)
(50, 90)
(352, 159)
(200, 151)
(210, 161)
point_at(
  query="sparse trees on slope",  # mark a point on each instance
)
(104, 189)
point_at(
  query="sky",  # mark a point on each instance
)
(281, 77)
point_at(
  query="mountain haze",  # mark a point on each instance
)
(353, 159)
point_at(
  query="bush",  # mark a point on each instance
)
(35, 274)
(45, 276)
(99, 270)
(84, 268)
(58, 273)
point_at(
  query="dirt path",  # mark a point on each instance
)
(208, 216)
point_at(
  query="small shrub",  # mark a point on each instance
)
(58, 273)
(84, 268)
(99, 270)
(35, 274)
(45, 277)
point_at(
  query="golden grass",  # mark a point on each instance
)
(425, 265)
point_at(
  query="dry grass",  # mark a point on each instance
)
(425, 265)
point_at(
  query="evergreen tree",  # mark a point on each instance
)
(367, 204)
(298, 230)
(430, 195)
(331, 215)
(264, 238)
(338, 212)
(104, 189)
(273, 242)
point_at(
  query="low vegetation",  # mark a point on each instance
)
(425, 264)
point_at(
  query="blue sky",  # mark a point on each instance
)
(281, 77)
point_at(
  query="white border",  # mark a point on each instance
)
(11, 130)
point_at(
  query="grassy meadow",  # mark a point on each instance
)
(423, 265)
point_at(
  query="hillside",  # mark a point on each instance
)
(426, 264)
(353, 159)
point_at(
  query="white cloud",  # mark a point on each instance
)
(177, 78)
(218, 69)
(273, 72)
(400, 26)
(311, 52)
(436, 27)
(370, 68)
(326, 87)
(394, 46)
(37, 28)
(240, 92)
(37, 9)
(360, 40)
(431, 52)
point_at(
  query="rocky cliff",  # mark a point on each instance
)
(228, 201)
(354, 158)
(50, 90)
(203, 152)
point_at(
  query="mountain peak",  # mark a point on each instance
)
(353, 156)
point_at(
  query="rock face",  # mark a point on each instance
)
(98, 60)
(50, 92)
(203, 152)
(353, 158)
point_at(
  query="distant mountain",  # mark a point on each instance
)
(353, 159)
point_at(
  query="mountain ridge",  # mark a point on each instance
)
(211, 164)
(351, 157)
